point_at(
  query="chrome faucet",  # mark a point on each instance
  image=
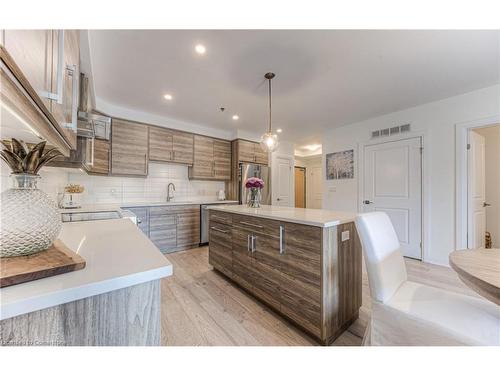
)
(170, 197)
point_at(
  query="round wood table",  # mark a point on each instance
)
(480, 270)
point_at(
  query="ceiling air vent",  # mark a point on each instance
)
(390, 131)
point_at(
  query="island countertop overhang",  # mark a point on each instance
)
(307, 216)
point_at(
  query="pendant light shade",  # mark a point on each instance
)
(269, 141)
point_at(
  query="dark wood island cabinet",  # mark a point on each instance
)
(309, 271)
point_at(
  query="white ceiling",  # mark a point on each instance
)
(323, 78)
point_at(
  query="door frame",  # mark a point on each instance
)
(462, 130)
(305, 182)
(424, 182)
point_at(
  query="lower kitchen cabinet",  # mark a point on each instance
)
(306, 273)
(221, 247)
(170, 228)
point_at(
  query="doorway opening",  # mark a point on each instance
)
(300, 187)
(483, 187)
(392, 183)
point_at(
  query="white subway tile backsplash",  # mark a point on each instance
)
(122, 190)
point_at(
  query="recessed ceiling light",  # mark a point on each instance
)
(279, 130)
(167, 96)
(236, 117)
(200, 48)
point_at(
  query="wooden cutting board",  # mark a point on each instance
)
(55, 260)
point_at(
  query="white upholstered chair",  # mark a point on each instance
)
(409, 313)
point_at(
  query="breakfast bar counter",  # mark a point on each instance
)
(304, 263)
(114, 300)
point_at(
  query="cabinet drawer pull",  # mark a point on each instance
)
(253, 240)
(219, 230)
(248, 242)
(252, 225)
(282, 240)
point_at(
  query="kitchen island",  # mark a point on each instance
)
(304, 263)
(114, 300)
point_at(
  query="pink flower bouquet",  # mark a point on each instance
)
(254, 182)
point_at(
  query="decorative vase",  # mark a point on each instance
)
(30, 221)
(254, 198)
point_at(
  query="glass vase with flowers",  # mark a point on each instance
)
(254, 185)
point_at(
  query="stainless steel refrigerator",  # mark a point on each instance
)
(255, 170)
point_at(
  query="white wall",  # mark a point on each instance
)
(436, 121)
(492, 138)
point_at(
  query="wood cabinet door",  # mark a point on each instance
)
(220, 254)
(266, 266)
(163, 230)
(101, 157)
(183, 147)
(222, 159)
(129, 148)
(66, 111)
(32, 52)
(160, 144)
(246, 151)
(188, 226)
(203, 163)
(261, 156)
(301, 275)
(242, 257)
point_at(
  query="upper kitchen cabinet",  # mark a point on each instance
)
(203, 164)
(168, 145)
(65, 81)
(249, 152)
(222, 159)
(212, 159)
(31, 50)
(160, 144)
(129, 148)
(43, 67)
(182, 147)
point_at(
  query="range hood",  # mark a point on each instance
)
(90, 124)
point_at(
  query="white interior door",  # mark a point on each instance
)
(393, 184)
(476, 192)
(283, 182)
(315, 187)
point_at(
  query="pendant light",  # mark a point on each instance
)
(269, 141)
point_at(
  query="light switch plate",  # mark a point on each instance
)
(345, 236)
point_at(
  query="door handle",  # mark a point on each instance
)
(486, 204)
(367, 202)
(282, 240)
(253, 239)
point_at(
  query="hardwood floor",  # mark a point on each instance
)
(202, 307)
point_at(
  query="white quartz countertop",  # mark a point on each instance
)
(307, 216)
(117, 255)
(118, 207)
